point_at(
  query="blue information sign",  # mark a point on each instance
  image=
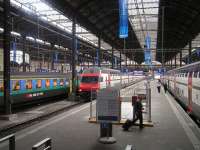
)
(123, 19)
(147, 52)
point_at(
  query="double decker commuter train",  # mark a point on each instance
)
(99, 78)
(184, 84)
(32, 87)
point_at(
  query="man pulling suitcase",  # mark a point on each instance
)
(137, 114)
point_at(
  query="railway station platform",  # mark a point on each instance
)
(29, 115)
(172, 130)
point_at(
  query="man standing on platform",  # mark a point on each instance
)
(165, 87)
(158, 86)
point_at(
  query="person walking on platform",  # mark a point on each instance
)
(158, 86)
(165, 87)
(137, 115)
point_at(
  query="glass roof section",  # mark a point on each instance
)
(195, 45)
(54, 17)
(143, 16)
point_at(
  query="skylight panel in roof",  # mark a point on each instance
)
(54, 17)
(144, 17)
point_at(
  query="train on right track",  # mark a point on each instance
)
(184, 84)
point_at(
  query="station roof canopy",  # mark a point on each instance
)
(181, 19)
(101, 17)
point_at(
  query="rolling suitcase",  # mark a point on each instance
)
(127, 125)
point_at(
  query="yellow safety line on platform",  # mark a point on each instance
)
(145, 122)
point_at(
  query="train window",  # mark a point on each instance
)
(54, 82)
(1, 86)
(29, 84)
(101, 79)
(39, 84)
(15, 85)
(47, 83)
(61, 82)
(89, 79)
(195, 74)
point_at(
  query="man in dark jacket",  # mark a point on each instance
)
(137, 114)
(165, 87)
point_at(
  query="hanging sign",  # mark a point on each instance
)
(123, 19)
(148, 50)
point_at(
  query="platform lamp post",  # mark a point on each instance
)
(6, 55)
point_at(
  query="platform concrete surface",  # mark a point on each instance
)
(72, 131)
(33, 113)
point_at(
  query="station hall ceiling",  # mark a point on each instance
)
(101, 17)
(180, 20)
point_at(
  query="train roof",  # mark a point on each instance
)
(100, 70)
(190, 67)
(37, 75)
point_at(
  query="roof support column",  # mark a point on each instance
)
(163, 21)
(24, 51)
(74, 58)
(52, 57)
(189, 53)
(6, 55)
(170, 63)
(99, 51)
(112, 58)
(175, 61)
(120, 59)
(126, 59)
(180, 58)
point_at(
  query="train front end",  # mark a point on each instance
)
(88, 83)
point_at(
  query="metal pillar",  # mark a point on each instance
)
(120, 59)
(125, 53)
(180, 58)
(112, 58)
(6, 54)
(99, 51)
(163, 15)
(24, 51)
(126, 60)
(175, 61)
(189, 53)
(74, 57)
(52, 57)
(171, 63)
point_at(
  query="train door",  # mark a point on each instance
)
(189, 92)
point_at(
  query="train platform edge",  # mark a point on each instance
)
(33, 114)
